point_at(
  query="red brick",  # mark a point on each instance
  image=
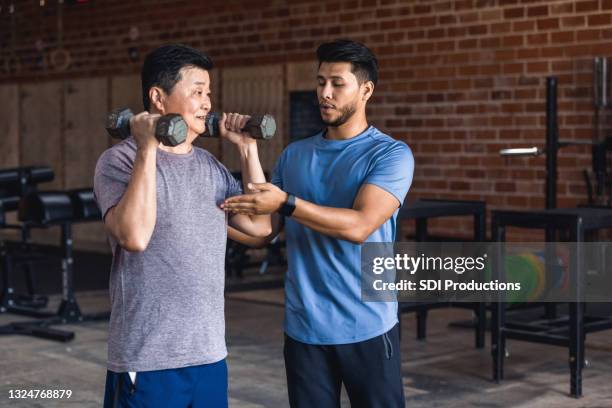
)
(459, 79)
(468, 17)
(562, 37)
(493, 69)
(500, 28)
(528, 53)
(535, 67)
(514, 68)
(537, 39)
(527, 25)
(552, 52)
(468, 43)
(447, 19)
(436, 33)
(586, 6)
(421, 8)
(573, 21)
(490, 42)
(548, 24)
(538, 11)
(517, 12)
(513, 41)
(491, 15)
(599, 19)
(477, 29)
(588, 35)
(562, 8)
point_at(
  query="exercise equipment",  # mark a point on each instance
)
(171, 129)
(566, 331)
(258, 126)
(529, 269)
(601, 195)
(44, 210)
(422, 211)
(15, 183)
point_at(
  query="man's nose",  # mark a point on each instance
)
(206, 105)
(326, 92)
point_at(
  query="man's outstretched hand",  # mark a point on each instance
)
(264, 198)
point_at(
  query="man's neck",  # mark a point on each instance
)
(347, 130)
(183, 148)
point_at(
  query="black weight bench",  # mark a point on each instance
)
(421, 211)
(572, 334)
(44, 210)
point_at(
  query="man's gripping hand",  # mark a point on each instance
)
(230, 128)
(142, 127)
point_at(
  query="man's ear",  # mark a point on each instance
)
(156, 96)
(368, 90)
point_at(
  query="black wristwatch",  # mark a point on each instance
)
(288, 207)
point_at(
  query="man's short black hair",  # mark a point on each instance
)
(362, 59)
(162, 67)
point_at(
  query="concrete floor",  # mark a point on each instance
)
(444, 371)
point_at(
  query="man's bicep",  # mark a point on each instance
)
(375, 204)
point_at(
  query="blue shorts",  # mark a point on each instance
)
(196, 386)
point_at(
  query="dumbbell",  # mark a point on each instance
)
(258, 126)
(170, 129)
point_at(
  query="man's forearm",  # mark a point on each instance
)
(250, 165)
(252, 172)
(136, 212)
(342, 223)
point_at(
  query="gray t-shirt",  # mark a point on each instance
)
(167, 301)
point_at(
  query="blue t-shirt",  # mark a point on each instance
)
(323, 284)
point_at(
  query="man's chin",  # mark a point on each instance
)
(197, 130)
(333, 123)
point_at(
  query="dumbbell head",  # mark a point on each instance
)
(258, 126)
(171, 129)
(118, 123)
(261, 126)
(212, 125)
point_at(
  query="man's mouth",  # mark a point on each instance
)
(325, 107)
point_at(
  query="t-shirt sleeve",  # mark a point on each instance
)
(111, 178)
(277, 179)
(233, 187)
(393, 171)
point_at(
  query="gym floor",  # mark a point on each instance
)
(443, 371)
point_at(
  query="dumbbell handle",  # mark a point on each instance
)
(258, 126)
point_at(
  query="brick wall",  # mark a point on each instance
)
(459, 79)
